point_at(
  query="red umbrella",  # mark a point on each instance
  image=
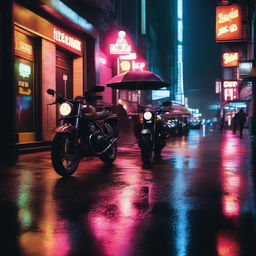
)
(137, 80)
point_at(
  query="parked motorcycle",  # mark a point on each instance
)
(83, 132)
(151, 132)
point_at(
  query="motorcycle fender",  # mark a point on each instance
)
(145, 131)
(64, 129)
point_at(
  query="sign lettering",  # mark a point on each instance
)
(230, 59)
(24, 70)
(66, 39)
(230, 91)
(126, 65)
(228, 23)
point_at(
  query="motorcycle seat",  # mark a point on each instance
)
(101, 115)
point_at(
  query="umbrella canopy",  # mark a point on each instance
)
(137, 80)
(178, 110)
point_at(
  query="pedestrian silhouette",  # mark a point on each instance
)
(123, 118)
(239, 121)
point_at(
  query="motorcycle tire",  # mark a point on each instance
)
(146, 149)
(159, 144)
(64, 163)
(110, 155)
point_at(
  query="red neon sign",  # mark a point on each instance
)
(230, 59)
(229, 23)
(121, 46)
(230, 91)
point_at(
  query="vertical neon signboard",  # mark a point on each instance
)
(179, 93)
(230, 91)
(229, 23)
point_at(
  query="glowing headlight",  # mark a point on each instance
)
(65, 108)
(147, 115)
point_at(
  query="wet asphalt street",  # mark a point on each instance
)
(198, 200)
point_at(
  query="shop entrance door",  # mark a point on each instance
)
(64, 75)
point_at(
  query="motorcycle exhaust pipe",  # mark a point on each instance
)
(102, 152)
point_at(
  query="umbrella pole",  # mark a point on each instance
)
(117, 97)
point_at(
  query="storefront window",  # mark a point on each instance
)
(24, 66)
(25, 91)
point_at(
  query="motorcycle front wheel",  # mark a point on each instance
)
(146, 149)
(65, 157)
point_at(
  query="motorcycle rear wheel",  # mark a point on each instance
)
(65, 158)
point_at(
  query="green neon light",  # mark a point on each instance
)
(24, 70)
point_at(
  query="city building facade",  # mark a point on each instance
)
(235, 36)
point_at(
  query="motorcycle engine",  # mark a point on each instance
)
(98, 141)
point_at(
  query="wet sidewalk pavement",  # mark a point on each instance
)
(198, 200)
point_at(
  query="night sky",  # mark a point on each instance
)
(201, 55)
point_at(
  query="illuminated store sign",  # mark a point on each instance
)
(126, 65)
(230, 91)
(228, 23)
(24, 70)
(121, 46)
(131, 56)
(24, 78)
(66, 40)
(160, 94)
(230, 59)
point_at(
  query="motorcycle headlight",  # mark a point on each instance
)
(147, 115)
(65, 108)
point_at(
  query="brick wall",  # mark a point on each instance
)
(78, 77)
(48, 81)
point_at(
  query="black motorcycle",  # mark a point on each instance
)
(83, 132)
(151, 132)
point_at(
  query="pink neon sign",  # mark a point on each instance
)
(230, 91)
(121, 46)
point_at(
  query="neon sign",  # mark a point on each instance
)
(121, 46)
(130, 56)
(24, 78)
(230, 59)
(66, 40)
(228, 23)
(230, 91)
(24, 70)
(126, 65)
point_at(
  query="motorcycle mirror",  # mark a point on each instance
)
(166, 103)
(51, 92)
